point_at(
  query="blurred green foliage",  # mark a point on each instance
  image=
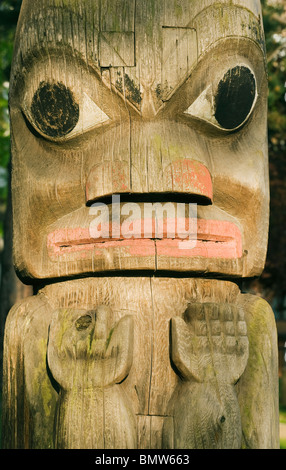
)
(273, 279)
(274, 18)
(9, 12)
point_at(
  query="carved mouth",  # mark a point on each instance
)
(211, 239)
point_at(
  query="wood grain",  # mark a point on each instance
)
(135, 341)
(156, 393)
(143, 69)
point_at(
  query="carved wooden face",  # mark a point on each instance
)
(165, 102)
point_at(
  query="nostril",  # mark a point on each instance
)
(188, 176)
(109, 177)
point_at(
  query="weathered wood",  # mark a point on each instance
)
(88, 359)
(140, 200)
(29, 392)
(154, 388)
(145, 138)
(258, 388)
(210, 351)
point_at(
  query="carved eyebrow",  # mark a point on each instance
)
(70, 37)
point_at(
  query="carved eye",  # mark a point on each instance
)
(228, 106)
(56, 113)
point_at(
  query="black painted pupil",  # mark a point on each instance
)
(54, 109)
(235, 97)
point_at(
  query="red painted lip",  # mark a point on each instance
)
(215, 239)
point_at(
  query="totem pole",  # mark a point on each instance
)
(140, 203)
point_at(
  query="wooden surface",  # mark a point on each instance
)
(135, 340)
(88, 360)
(153, 397)
(136, 90)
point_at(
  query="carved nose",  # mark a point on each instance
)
(184, 176)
